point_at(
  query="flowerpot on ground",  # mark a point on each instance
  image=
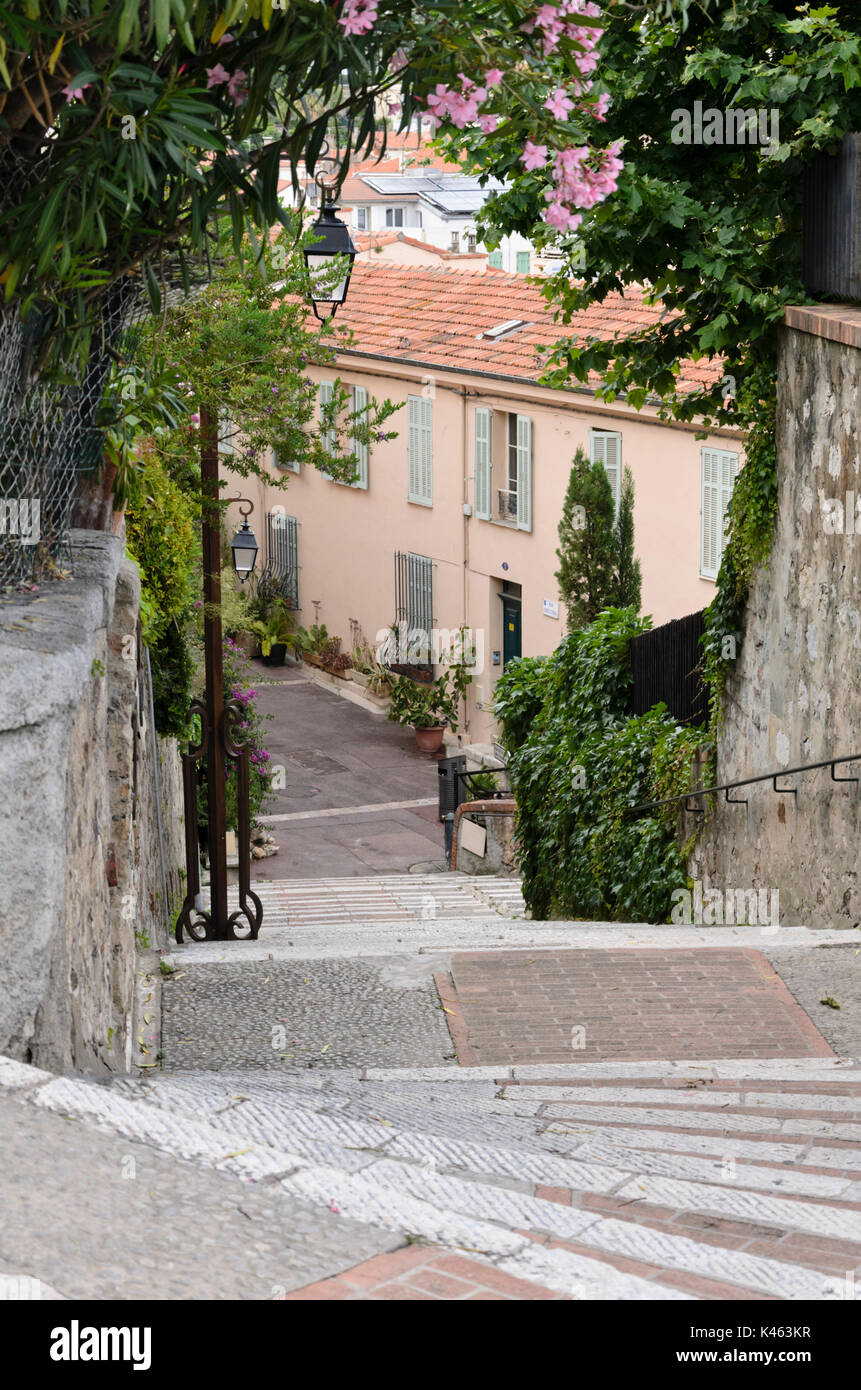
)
(277, 653)
(312, 659)
(361, 678)
(430, 740)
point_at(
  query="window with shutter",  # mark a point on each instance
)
(226, 434)
(494, 260)
(360, 406)
(523, 262)
(719, 471)
(420, 450)
(327, 436)
(524, 473)
(483, 463)
(606, 448)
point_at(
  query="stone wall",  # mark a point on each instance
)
(795, 695)
(80, 857)
(497, 818)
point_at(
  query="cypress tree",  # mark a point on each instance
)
(587, 543)
(627, 588)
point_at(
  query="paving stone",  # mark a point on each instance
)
(263, 1015)
(95, 1216)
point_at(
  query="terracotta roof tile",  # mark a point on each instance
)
(435, 315)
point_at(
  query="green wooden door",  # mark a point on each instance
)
(510, 631)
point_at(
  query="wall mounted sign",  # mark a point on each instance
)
(551, 608)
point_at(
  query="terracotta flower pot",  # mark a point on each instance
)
(430, 740)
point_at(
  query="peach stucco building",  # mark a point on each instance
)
(454, 522)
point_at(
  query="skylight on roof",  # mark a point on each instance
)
(503, 330)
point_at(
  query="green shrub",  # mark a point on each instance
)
(578, 762)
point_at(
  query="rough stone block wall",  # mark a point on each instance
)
(795, 695)
(80, 861)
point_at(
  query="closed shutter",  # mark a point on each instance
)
(327, 436)
(483, 465)
(524, 473)
(420, 450)
(360, 406)
(226, 434)
(494, 260)
(607, 449)
(719, 469)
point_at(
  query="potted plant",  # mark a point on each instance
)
(274, 636)
(311, 642)
(428, 709)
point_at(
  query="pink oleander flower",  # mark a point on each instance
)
(534, 156)
(76, 93)
(560, 104)
(359, 16)
(236, 86)
(217, 76)
(488, 123)
(557, 215)
(493, 77)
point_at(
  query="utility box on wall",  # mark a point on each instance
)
(831, 238)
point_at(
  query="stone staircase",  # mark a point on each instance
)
(591, 1180)
(596, 1181)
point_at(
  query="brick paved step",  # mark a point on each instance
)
(450, 1160)
(333, 1152)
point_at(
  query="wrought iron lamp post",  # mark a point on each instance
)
(219, 719)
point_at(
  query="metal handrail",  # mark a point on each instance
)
(727, 787)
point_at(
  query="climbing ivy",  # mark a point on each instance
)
(578, 763)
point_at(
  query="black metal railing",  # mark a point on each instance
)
(666, 665)
(727, 787)
(280, 577)
(410, 645)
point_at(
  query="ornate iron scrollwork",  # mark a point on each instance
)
(250, 906)
(197, 921)
(194, 920)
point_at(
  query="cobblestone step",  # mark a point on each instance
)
(462, 1159)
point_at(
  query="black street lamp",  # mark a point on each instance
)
(334, 240)
(244, 545)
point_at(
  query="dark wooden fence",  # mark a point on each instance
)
(667, 666)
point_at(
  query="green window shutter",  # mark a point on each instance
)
(327, 436)
(360, 405)
(413, 446)
(226, 434)
(606, 448)
(482, 485)
(494, 259)
(524, 473)
(719, 472)
(523, 262)
(711, 514)
(420, 450)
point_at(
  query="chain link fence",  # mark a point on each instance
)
(49, 437)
